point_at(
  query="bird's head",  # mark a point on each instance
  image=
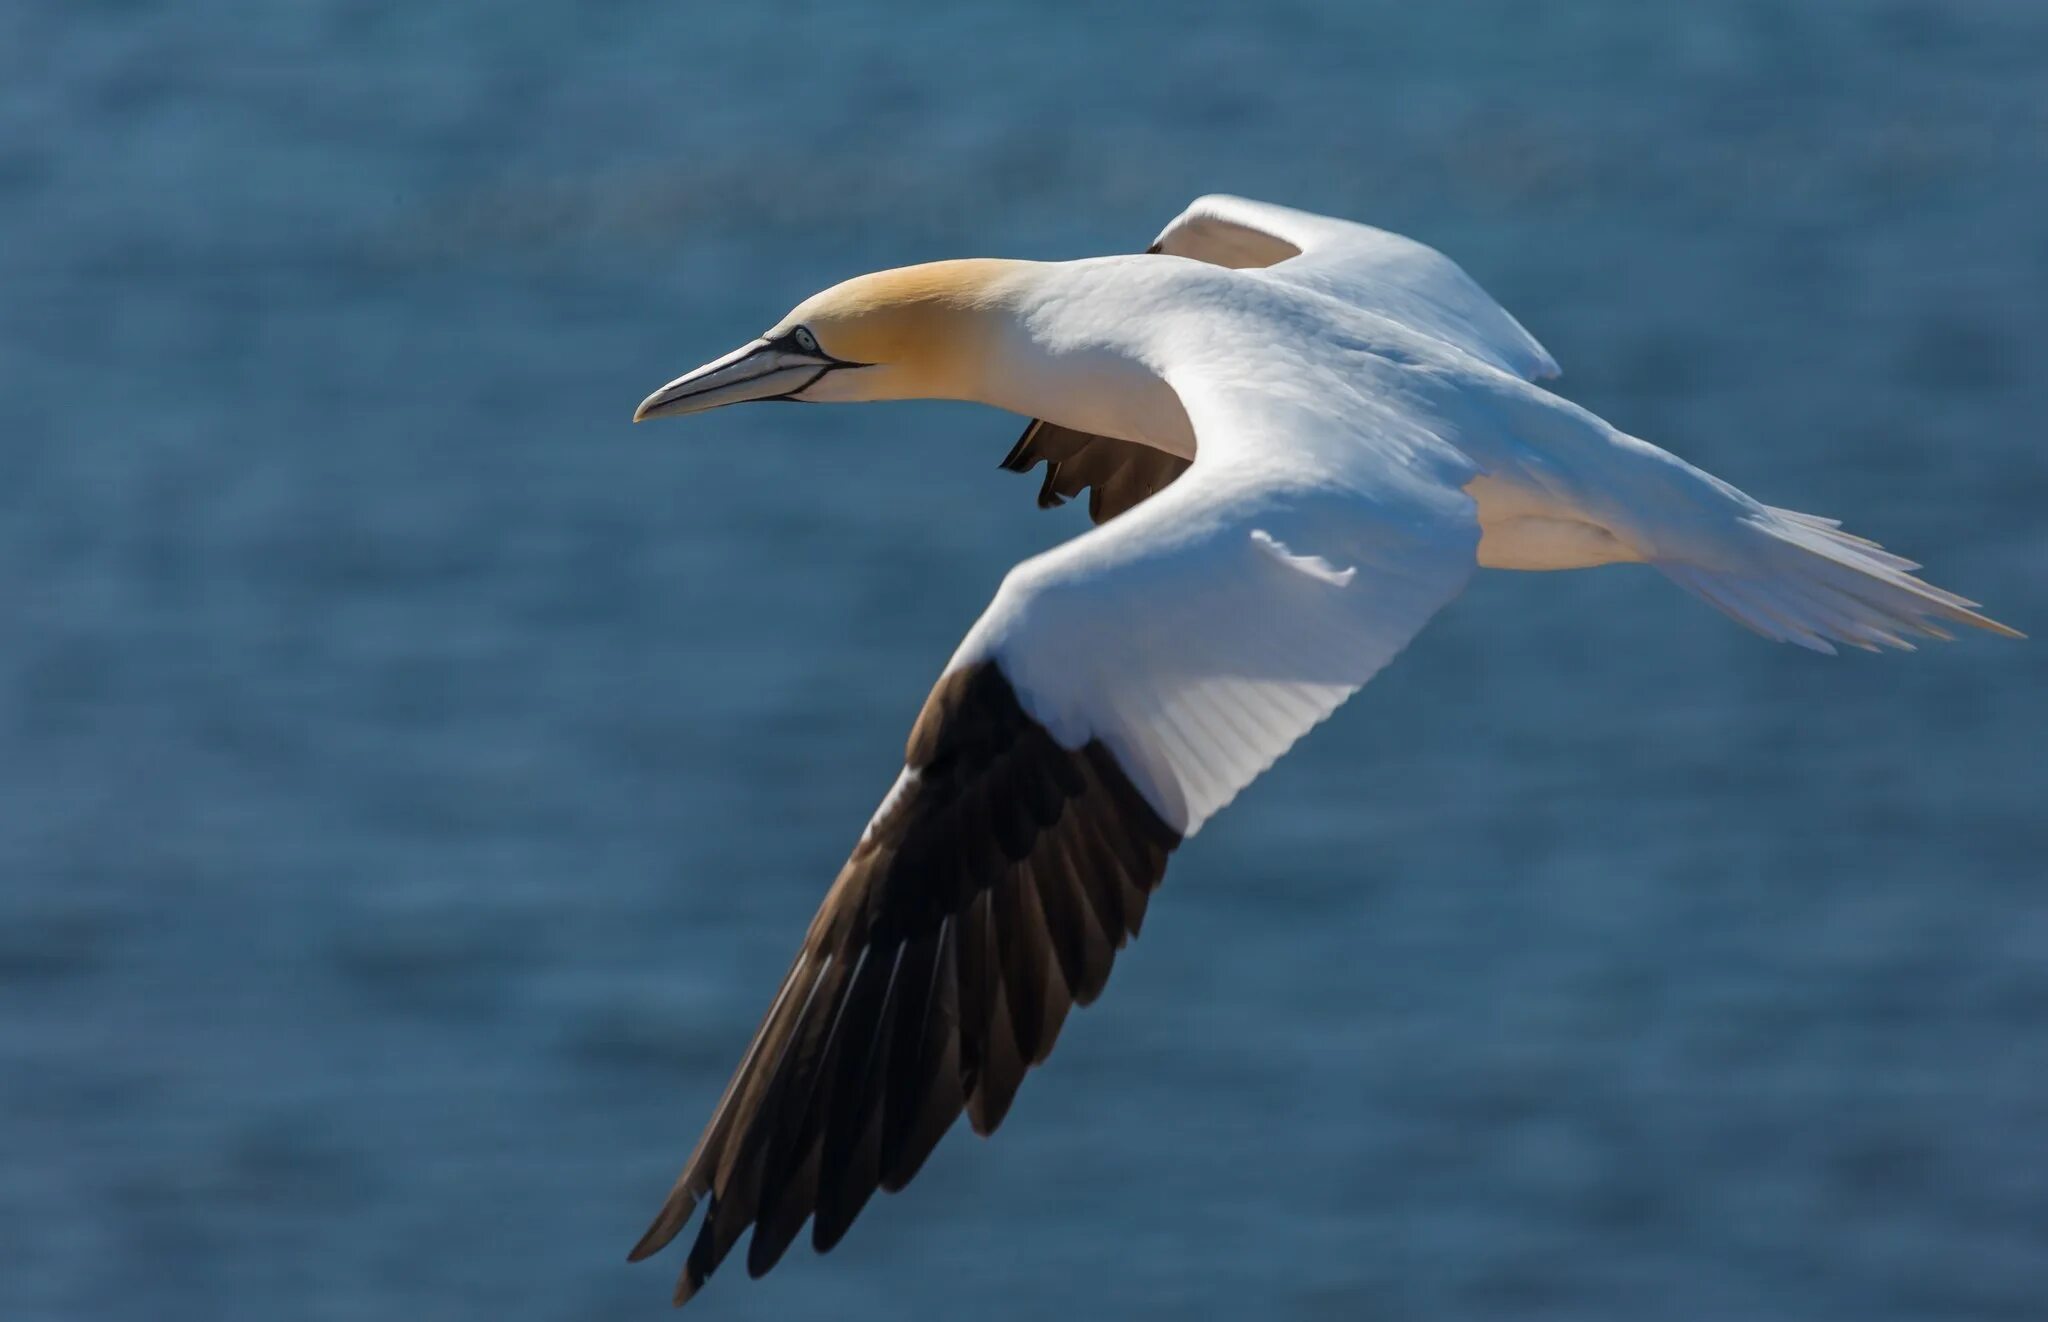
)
(918, 332)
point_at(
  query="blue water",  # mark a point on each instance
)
(413, 779)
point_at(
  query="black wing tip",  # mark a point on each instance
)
(830, 1225)
(986, 1116)
(1049, 495)
(1108, 847)
(763, 1252)
(1020, 459)
(1116, 475)
(667, 1224)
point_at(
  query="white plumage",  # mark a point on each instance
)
(1362, 403)
(1304, 435)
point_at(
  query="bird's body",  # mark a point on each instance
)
(1303, 436)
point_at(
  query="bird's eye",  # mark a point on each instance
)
(804, 339)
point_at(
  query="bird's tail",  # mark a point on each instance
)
(1801, 579)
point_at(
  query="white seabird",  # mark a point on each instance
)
(1302, 436)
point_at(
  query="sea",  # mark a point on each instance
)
(414, 779)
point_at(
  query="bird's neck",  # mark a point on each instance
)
(1063, 341)
(1062, 345)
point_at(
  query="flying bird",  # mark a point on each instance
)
(1299, 437)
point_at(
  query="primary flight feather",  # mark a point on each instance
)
(1301, 437)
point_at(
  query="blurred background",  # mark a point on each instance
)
(413, 779)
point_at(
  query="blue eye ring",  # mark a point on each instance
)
(804, 340)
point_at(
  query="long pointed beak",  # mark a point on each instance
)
(761, 370)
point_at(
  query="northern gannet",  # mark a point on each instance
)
(1302, 436)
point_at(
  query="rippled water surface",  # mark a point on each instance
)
(413, 779)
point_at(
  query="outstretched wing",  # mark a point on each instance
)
(1119, 690)
(987, 896)
(1370, 268)
(1374, 269)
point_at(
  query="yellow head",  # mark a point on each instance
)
(918, 332)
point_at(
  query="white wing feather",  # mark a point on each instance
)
(1371, 269)
(1201, 634)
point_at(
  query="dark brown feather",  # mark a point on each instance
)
(981, 904)
(782, 1217)
(1002, 1064)
(1054, 999)
(1023, 964)
(800, 1146)
(853, 1130)
(1116, 474)
(928, 1116)
(1084, 953)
